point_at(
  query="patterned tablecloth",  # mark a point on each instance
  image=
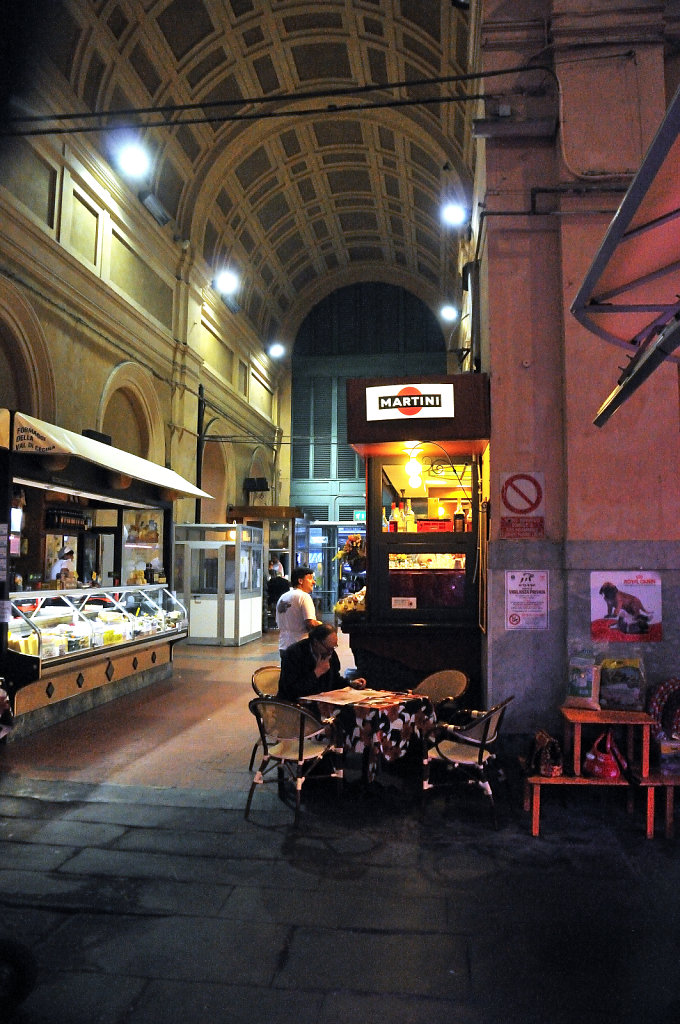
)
(378, 723)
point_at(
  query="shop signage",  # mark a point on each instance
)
(522, 506)
(396, 401)
(526, 599)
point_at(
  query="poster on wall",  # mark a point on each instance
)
(625, 607)
(526, 599)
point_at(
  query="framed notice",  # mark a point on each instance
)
(526, 599)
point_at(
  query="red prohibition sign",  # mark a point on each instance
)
(522, 494)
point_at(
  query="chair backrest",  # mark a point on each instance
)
(484, 728)
(265, 680)
(281, 720)
(450, 682)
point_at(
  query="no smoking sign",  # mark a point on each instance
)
(522, 506)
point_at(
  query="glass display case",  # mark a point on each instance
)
(219, 572)
(52, 625)
(142, 556)
(427, 580)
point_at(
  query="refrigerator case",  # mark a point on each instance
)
(54, 626)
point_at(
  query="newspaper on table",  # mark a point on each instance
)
(347, 695)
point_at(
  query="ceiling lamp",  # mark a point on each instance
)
(454, 214)
(133, 160)
(276, 350)
(449, 313)
(227, 284)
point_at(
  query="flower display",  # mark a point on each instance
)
(353, 552)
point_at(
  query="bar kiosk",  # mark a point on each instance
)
(423, 441)
(86, 533)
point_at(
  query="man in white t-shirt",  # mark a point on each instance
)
(295, 611)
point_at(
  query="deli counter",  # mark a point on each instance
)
(87, 601)
(70, 641)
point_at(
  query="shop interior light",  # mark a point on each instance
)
(416, 482)
(441, 512)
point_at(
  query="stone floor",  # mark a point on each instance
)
(143, 896)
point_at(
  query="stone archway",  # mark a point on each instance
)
(26, 373)
(129, 410)
(217, 479)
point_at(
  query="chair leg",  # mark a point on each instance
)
(298, 797)
(250, 798)
(485, 786)
(252, 756)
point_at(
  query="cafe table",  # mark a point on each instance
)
(377, 723)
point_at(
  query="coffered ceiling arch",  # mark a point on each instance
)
(309, 144)
(308, 204)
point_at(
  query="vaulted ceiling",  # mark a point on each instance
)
(283, 147)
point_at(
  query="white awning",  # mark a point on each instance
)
(32, 436)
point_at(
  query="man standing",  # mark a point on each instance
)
(295, 612)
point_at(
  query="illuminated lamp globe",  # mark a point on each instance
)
(412, 467)
(277, 350)
(415, 482)
(133, 160)
(454, 214)
(449, 313)
(227, 282)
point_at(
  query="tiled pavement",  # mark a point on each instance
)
(128, 870)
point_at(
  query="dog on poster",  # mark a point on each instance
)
(619, 602)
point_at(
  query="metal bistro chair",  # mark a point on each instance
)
(466, 750)
(265, 682)
(444, 689)
(294, 741)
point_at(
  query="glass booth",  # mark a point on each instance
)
(218, 575)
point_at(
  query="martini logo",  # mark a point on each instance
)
(390, 402)
(410, 401)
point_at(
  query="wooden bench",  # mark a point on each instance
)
(574, 720)
(532, 791)
(651, 782)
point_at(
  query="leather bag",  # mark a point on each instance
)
(606, 763)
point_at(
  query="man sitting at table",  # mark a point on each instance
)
(312, 666)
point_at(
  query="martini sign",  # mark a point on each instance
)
(424, 401)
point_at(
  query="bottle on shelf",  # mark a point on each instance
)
(385, 524)
(410, 518)
(402, 518)
(459, 518)
(468, 520)
(394, 518)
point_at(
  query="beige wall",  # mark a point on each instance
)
(120, 327)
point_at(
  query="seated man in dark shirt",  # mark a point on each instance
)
(312, 666)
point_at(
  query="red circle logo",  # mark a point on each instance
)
(409, 410)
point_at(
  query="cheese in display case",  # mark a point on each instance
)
(58, 624)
